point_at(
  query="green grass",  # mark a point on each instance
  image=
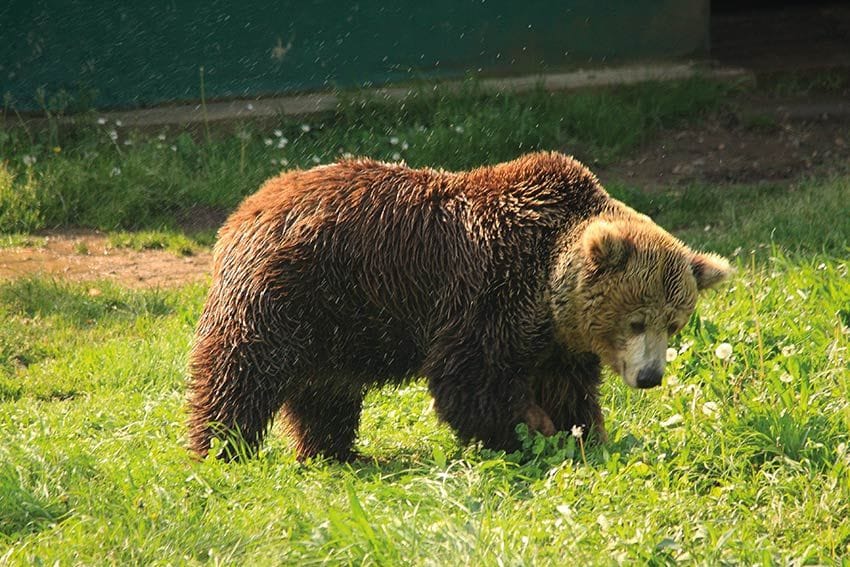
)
(797, 83)
(80, 176)
(17, 240)
(176, 242)
(807, 217)
(742, 460)
(738, 460)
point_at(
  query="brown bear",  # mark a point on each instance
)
(506, 287)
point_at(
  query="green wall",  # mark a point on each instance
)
(127, 54)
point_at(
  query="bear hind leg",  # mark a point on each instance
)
(237, 412)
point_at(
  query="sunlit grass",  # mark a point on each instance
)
(170, 240)
(733, 459)
(741, 456)
(21, 240)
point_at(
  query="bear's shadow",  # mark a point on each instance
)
(400, 463)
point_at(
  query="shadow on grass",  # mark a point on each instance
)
(23, 511)
(80, 306)
(537, 458)
(32, 497)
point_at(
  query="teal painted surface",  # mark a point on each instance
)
(140, 53)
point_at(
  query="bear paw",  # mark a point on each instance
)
(538, 420)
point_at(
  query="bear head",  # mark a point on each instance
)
(631, 286)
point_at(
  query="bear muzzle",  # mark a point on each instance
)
(641, 363)
(649, 377)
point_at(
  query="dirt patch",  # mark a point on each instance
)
(86, 256)
(760, 141)
(763, 142)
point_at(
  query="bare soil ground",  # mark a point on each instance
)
(87, 256)
(761, 141)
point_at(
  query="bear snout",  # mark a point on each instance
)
(649, 377)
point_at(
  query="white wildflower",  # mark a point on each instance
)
(786, 378)
(161, 137)
(305, 128)
(284, 161)
(116, 171)
(723, 351)
(249, 107)
(101, 120)
(671, 354)
(282, 143)
(603, 522)
(267, 141)
(173, 148)
(113, 135)
(315, 159)
(788, 350)
(347, 155)
(710, 409)
(119, 123)
(394, 140)
(274, 161)
(29, 160)
(577, 431)
(128, 142)
(278, 133)
(674, 419)
(459, 129)
(404, 145)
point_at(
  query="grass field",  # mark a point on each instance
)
(103, 176)
(741, 459)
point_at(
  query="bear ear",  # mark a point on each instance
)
(605, 246)
(709, 270)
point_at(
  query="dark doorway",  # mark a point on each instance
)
(778, 35)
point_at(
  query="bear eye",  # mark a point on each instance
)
(638, 327)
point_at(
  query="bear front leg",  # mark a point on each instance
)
(482, 399)
(567, 388)
(582, 412)
(538, 420)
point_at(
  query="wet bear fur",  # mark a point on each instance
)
(506, 287)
